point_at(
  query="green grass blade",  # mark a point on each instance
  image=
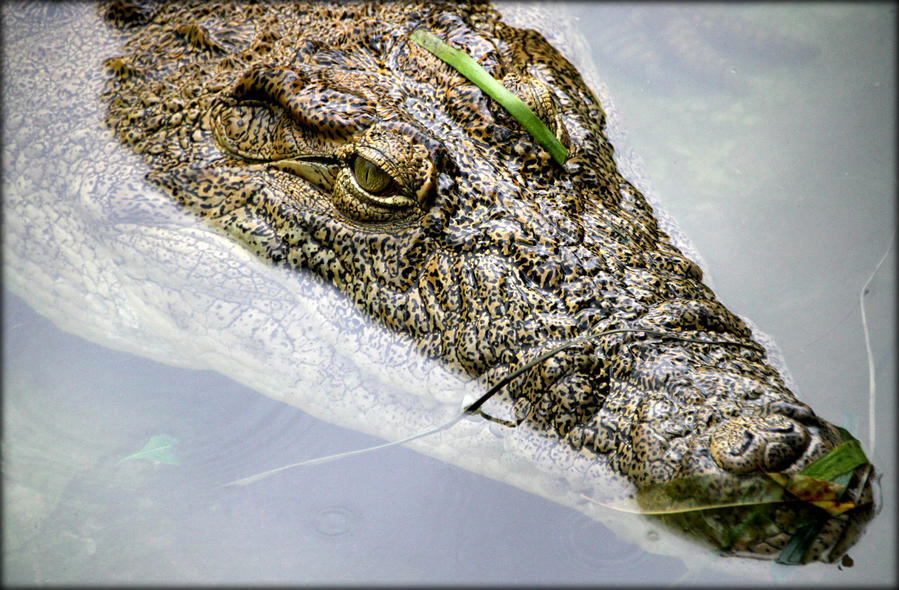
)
(472, 70)
(841, 459)
(796, 548)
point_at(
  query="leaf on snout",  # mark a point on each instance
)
(819, 492)
(823, 482)
(843, 458)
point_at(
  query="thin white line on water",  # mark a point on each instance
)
(871, 380)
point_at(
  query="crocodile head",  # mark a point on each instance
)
(325, 140)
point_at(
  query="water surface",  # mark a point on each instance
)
(779, 168)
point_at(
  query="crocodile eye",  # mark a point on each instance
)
(383, 176)
(370, 176)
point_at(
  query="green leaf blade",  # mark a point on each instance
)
(465, 65)
(796, 548)
(845, 457)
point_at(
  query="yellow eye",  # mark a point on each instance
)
(370, 176)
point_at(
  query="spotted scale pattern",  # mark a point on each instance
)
(259, 119)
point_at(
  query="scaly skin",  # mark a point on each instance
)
(323, 139)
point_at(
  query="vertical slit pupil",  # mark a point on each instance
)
(370, 176)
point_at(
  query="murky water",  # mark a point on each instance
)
(780, 168)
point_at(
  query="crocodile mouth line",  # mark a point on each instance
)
(475, 407)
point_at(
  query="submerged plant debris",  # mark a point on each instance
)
(158, 450)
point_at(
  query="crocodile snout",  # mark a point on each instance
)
(770, 443)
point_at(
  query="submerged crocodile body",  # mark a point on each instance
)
(324, 140)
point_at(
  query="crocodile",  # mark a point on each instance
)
(324, 141)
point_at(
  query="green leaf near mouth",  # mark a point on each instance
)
(822, 483)
(845, 457)
(465, 65)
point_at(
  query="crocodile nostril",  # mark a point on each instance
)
(792, 409)
(742, 447)
(735, 447)
(769, 443)
(781, 427)
(779, 456)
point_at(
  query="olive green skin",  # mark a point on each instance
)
(324, 140)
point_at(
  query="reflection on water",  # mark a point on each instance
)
(785, 183)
